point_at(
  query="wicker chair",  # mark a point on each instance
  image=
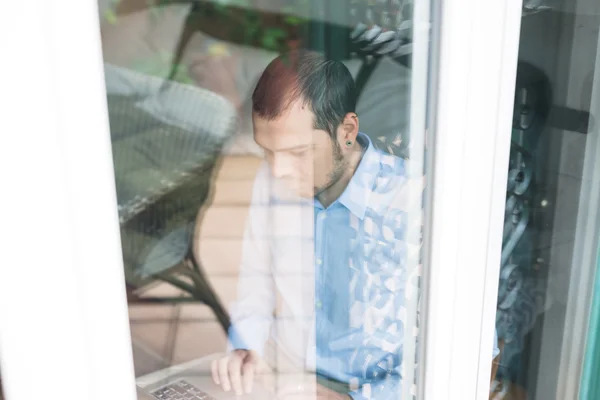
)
(166, 143)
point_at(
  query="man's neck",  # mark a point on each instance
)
(333, 192)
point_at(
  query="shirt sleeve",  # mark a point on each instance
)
(252, 313)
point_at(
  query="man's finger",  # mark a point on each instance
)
(235, 374)
(224, 374)
(248, 376)
(214, 368)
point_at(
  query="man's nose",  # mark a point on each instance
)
(280, 166)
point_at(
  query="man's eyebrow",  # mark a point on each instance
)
(299, 147)
(292, 148)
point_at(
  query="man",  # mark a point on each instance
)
(366, 248)
(334, 234)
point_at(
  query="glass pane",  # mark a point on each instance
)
(269, 164)
(551, 219)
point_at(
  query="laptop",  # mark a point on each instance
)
(176, 390)
(193, 384)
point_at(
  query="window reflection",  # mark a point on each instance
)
(271, 211)
(546, 283)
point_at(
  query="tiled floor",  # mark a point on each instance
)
(167, 335)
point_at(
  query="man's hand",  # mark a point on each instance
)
(237, 371)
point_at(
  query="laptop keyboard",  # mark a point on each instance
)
(180, 390)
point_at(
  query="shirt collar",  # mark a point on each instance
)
(356, 195)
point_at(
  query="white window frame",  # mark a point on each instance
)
(64, 329)
(477, 44)
(70, 254)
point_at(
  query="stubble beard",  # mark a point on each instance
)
(339, 166)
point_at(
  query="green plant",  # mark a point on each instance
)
(239, 22)
(160, 66)
(109, 14)
(252, 27)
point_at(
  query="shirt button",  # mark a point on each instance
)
(323, 214)
(319, 261)
(319, 304)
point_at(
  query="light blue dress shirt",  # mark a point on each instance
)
(353, 256)
(366, 280)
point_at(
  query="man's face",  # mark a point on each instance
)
(307, 160)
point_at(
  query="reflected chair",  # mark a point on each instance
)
(166, 146)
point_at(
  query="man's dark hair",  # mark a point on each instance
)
(326, 86)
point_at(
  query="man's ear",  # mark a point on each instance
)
(348, 130)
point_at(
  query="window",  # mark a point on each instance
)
(285, 224)
(177, 151)
(550, 239)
